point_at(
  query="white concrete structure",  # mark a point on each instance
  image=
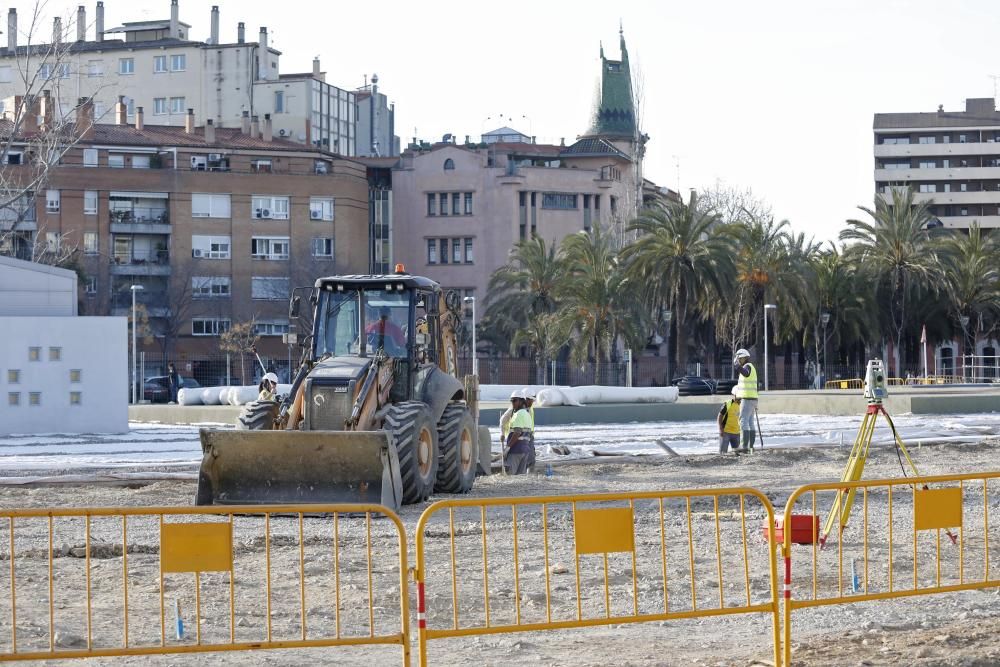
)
(27, 288)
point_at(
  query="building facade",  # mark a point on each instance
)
(159, 66)
(950, 159)
(216, 225)
(376, 123)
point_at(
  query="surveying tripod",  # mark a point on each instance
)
(875, 392)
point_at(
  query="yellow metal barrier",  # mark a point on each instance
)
(551, 562)
(124, 582)
(892, 546)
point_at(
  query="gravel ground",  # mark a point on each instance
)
(949, 629)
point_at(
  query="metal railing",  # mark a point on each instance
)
(129, 581)
(148, 215)
(664, 549)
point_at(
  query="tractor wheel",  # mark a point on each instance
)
(458, 444)
(415, 435)
(257, 416)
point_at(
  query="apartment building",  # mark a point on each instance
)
(161, 67)
(376, 122)
(216, 225)
(949, 158)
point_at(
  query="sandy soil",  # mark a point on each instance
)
(948, 629)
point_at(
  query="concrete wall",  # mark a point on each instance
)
(79, 382)
(27, 288)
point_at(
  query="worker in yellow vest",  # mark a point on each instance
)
(729, 424)
(746, 389)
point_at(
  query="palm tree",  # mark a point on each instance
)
(680, 259)
(598, 308)
(521, 299)
(898, 254)
(971, 268)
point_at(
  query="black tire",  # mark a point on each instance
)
(415, 436)
(257, 416)
(458, 447)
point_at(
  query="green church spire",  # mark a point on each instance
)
(615, 112)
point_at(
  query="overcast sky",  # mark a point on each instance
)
(776, 95)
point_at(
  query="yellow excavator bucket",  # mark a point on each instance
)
(285, 467)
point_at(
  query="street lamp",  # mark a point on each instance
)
(825, 318)
(475, 358)
(767, 307)
(667, 317)
(135, 381)
(964, 319)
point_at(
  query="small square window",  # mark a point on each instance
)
(34, 354)
(14, 398)
(34, 398)
(55, 353)
(75, 375)
(13, 376)
(75, 398)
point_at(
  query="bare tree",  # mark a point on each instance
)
(734, 205)
(241, 339)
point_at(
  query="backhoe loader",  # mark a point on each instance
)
(376, 412)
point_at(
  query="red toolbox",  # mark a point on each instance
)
(805, 529)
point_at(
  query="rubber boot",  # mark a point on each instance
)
(752, 438)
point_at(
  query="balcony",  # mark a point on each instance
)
(155, 303)
(153, 263)
(139, 219)
(958, 198)
(964, 221)
(942, 174)
(937, 150)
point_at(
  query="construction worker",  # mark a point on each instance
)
(746, 389)
(268, 388)
(729, 424)
(516, 403)
(520, 456)
(529, 405)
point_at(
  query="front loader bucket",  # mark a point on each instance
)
(292, 467)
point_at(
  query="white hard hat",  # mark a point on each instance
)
(742, 352)
(528, 393)
(272, 377)
(517, 393)
(736, 391)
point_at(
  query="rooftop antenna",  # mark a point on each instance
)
(995, 78)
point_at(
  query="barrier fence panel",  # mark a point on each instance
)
(890, 538)
(497, 565)
(134, 581)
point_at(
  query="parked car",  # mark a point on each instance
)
(157, 390)
(692, 385)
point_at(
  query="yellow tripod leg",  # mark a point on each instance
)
(844, 499)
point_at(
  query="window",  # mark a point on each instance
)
(90, 157)
(432, 251)
(53, 241)
(456, 203)
(444, 251)
(34, 398)
(895, 140)
(456, 251)
(962, 138)
(91, 287)
(211, 205)
(265, 247)
(140, 162)
(13, 376)
(928, 187)
(159, 63)
(270, 207)
(210, 247)
(75, 398)
(927, 140)
(215, 287)
(260, 166)
(947, 187)
(176, 105)
(126, 65)
(14, 398)
(269, 289)
(945, 163)
(279, 101)
(45, 71)
(560, 201)
(90, 243)
(443, 201)
(431, 209)
(271, 328)
(322, 247)
(321, 208)
(449, 164)
(963, 211)
(468, 251)
(178, 62)
(468, 203)
(963, 187)
(76, 376)
(52, 201)
(116, 160)
(95, 68)
(62, 70)
(55, 353)
(928, 164)
(205, 326)
(159, 105)
(896, 164)
(90, 202)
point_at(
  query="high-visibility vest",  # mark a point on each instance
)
(732, 423)
(747, 385)
(521, 420)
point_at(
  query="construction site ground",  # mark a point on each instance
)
(947, 629)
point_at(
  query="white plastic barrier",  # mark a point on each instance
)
(501, 392)
(590, 394)
(189, 396)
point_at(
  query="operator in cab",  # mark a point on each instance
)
(384, 327)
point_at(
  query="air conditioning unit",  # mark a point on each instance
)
(198, 162)
(215, 157)
(265, 213)
(315, 215)
(282, 132)
(196, 252)
(320, 167)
